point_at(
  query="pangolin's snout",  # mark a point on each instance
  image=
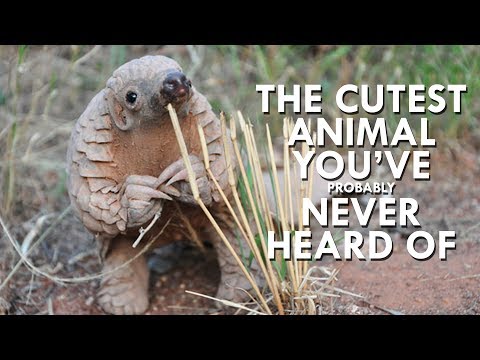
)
(176, 87)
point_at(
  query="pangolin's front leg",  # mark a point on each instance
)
(142, 199)
(124, 288)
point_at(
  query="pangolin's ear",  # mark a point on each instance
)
(120, 116)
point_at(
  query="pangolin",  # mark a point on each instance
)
(124, 166)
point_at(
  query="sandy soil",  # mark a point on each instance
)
(409, 286)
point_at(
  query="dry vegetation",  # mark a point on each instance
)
(293, 287)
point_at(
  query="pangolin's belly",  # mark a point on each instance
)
(151, 147)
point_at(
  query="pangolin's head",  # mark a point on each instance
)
(141, 89)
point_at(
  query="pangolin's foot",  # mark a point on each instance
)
(124, 291)
(176, 175)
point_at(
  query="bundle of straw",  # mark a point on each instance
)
(292, 287)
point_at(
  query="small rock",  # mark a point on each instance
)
(354, 309)
(89, 301)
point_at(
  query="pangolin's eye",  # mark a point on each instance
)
(131, 97)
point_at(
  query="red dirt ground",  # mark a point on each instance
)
(451, 201)
(418, 287)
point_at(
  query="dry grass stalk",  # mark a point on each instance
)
(147, 229)
(32, 247)
(193, 233)
(226, 302)
(283, 216)
(38, 271)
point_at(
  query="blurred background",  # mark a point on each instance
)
(44, 89)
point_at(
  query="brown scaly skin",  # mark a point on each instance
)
(124, 165)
